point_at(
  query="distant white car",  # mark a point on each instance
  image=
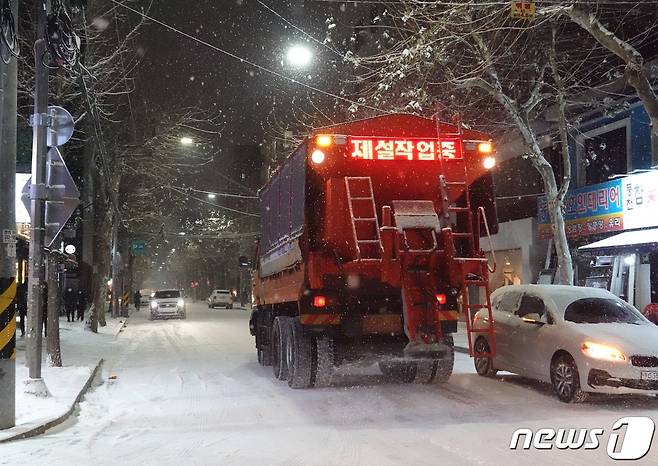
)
(223, 298)
(167, 304)
(576, 338)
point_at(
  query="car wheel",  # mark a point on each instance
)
(483, 366)
(566, 381)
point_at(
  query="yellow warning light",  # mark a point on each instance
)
(485, 148)
(323, 140)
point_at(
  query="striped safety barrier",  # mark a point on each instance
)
(7, 318)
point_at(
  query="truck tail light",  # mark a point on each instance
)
(323, 140)
(319, 301)
(441, 298)
(317, 157)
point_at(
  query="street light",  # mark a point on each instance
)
(212, 196)
(186, 141)
(299, 56)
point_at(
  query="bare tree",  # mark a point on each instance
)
(636, 73)
(496, 73)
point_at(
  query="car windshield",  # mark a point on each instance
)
(601, 311)
(167, 294)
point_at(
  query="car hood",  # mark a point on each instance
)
(631, 339)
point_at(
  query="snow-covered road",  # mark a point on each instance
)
(191, 392)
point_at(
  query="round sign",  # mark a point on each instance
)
(69, 249)
(61, 126)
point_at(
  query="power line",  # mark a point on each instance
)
(244, 60)
(267, 7)
(238, 196)
(203, 201)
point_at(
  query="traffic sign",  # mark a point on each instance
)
(138, 247)
(63, 195)
(61, 126)
(523, 10)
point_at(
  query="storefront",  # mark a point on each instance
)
(613, 229)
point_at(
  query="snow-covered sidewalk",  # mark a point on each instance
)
(82, 352)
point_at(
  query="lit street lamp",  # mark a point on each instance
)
(186, 141)
(299, 56)
(212, 196)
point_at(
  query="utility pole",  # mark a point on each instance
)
(52, 342)
(38, 197)
(116, 289)
(8, 240)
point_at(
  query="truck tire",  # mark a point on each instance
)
(264, 356)
(425, 371)
(325, 361)
(444, 366)
(399, 371)
(280, 330)
(299, 355)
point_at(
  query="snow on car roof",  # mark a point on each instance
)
(562, 295)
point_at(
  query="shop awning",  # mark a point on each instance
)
(632, 241)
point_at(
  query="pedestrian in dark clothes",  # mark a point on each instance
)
(82, 304)
(21, 304)
(137, 298)
(70, 303)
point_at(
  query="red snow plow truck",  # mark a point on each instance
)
(370, 246)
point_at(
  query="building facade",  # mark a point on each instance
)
(611, 209)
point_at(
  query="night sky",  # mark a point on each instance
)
(177, 72)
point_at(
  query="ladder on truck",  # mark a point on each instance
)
(363, 217)
(472, 265)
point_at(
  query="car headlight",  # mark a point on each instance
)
(180, 303)
(154, 304)
(600, 351)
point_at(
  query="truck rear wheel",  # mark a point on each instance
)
(325, 362)
(280, 330)
(264, 356)
(444, 366)
(399, 371)
(299, 355)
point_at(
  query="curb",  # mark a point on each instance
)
(123, 325)
(33, 432)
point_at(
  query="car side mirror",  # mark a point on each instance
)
(533, 318)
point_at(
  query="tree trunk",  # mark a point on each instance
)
(52, 343)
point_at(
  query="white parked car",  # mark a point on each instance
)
(167, 303)
(223, 298)
(576, 338)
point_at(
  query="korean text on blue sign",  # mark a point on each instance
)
(592, 209)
